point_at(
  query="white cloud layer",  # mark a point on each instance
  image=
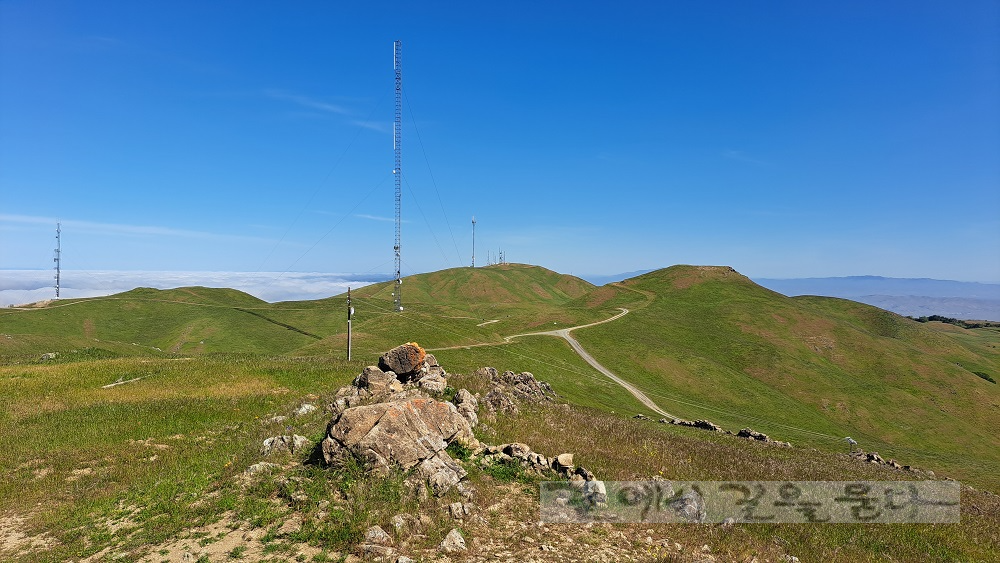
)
(27, 286)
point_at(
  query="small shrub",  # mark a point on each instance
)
(985, 376)
(509, 471)
(459, 451)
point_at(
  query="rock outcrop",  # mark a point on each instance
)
(288, 444)
(702, 424)
(510, 388)
(874, 458)
(752, 434)
(406, 433)
(391, 421)
(405, 360)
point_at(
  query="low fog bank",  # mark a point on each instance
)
(27, 286)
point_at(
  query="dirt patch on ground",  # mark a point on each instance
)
(223, 541)
(14, 538)
(88, 328)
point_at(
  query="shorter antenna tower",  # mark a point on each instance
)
(473, 241)
(58, 252)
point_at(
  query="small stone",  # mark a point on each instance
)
(305, 409)
(377, 535)
(565, 460)
(261, 468)
(453, 542)
(517, 450)
(401, 522)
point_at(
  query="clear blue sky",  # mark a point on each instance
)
(786, 139)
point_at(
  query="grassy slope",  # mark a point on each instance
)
(183, 321)
(712, 344)
(132, 466)
(442, 309)
(86, 453)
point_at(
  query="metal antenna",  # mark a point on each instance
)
(57, 256)
(473, 241)
(397, 170)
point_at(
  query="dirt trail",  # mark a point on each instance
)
(578, 348)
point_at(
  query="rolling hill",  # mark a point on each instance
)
(713, 344)
(704, 342)
(142, 429)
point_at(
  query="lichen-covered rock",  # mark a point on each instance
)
(432, 383)
(467, 406)
(453, 542)
(405, 360)
(500, 401)
(378, 382)
(376, 535)
(689, 506)
(402, 434)
(289, 444)
(441, 472)
(509, 388)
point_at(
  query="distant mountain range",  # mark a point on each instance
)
(914, 297)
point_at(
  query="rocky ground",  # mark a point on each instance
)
(460, 499)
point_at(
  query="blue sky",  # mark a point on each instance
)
(786, 139)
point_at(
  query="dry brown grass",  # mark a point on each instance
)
(617, 448)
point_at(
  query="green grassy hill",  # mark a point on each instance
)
(184, 321)
(712, 344)
(125, 468)
(448, 308)
(705, 342)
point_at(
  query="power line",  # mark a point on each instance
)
(427, 161)
(430, 228)
(333, 169)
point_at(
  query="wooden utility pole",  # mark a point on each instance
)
(350, 314)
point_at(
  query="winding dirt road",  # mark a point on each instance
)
(565, 334)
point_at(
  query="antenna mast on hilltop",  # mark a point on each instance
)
(56, 259)
(397, 170)
(473, 241)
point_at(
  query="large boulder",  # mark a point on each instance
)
(404, 434)
(405, 360)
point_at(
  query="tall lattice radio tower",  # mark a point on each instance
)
(57, 257)
(397, 171)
